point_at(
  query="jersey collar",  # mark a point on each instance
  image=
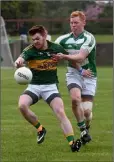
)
(75, 38)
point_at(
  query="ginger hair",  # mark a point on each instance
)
(78, 13)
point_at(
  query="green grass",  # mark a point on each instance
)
(104, 38)
(19, 137)
(99, 38)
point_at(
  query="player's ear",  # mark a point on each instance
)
(45, 34)
(84, 22)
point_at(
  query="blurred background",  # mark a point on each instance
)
(19, 16)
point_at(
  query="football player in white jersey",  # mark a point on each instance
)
(81, 46)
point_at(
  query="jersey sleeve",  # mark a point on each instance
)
(89, 44)
(25, 55)
(61, 49)
(58, 40)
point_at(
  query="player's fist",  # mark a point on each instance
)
(19, 62)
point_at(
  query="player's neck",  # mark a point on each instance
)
(45, 46)
(77, 33)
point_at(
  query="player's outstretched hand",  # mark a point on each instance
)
(19, 62)
(87, 73)
(58, 56)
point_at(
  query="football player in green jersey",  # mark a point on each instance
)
(81, 46)
(38, 57)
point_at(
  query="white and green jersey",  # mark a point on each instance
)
(84, 41)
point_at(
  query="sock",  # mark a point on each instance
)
(82, 125)
(38, 126)
(87, 127)
(70, 139)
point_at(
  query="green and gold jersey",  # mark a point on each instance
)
(43, 67)
(72, 45)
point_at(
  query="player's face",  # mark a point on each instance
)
(77, 25)
(38, 40)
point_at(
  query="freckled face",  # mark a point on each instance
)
(77, 25)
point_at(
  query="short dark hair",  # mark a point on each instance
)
(37, 29)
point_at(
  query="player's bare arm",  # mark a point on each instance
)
(76, 59)
(80, 57)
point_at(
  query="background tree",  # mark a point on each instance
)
(108, 15)
(55, 14)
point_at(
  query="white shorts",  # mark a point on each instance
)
(47, 92)
(90, 86)
(74, 79)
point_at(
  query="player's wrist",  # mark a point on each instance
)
(81, 71)
(66, 57)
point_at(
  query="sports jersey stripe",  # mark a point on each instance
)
(45, 64)
(73, 51)
(89, 44)
(70, 40)
(90, 39)
(28, 47)
(61, 38)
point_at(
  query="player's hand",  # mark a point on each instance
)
(18, 64)
(54, 58)
(58, 56)
(87, 73)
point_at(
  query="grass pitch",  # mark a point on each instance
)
(99, 38)
(18, 137)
